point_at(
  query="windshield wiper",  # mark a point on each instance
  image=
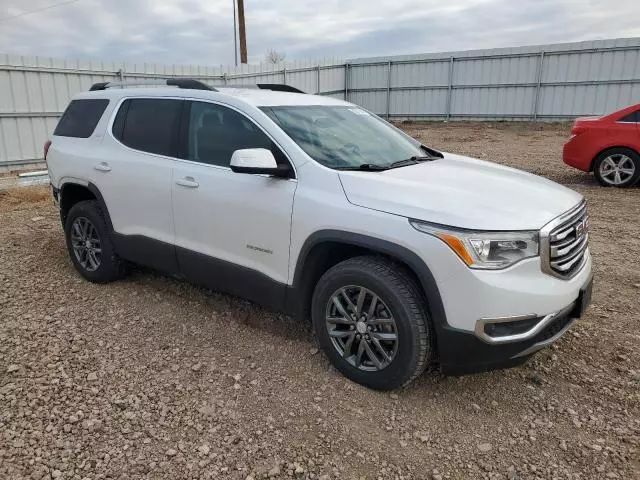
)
(371, 167)
(365, 167)
(409, 161)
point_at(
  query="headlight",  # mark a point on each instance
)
(484, 250)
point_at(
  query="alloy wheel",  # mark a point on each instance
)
(362, 328)
(86, 244)
(617, 169)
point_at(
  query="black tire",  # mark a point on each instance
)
(110, 266)
(393, 284)
(628, 181)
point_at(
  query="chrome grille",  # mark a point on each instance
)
(564, 242)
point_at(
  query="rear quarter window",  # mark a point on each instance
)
(80, 118)
(148, 124)
(632, 117)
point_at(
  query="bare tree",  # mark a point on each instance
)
(274, 57)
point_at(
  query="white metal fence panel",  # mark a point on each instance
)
(544, 82)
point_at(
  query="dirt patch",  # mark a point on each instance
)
(152, 378)
(20, 198)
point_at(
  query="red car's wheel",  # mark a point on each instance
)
(617, 167)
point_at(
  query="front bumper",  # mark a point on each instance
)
(463, 352)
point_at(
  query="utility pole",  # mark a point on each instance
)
(235, 34)
(243, 33)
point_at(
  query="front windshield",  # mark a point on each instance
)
(344, 137)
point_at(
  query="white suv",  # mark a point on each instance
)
(403, 257)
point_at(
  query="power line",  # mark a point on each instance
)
(2, 19)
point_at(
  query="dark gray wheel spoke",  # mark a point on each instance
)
(340, 320)
(360, 301)
(340, 333)
(85, 228)
(339, 306)
(372, 306)
(93, 260)
(350, 303)
(380, 348)
(359, 321)
(382, 321)
(349, 344)
(86, 244)
(385, 337)
(372, 356)
(77, 231)
(359, 354)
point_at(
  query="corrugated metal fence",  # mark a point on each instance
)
(549, 82)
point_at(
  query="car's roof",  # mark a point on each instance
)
(252, 96)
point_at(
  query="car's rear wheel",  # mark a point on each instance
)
(617, 167)
(89, 244)
(372, 322)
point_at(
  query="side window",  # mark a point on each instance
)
(215, 132)
(81, 117)
(148, 124)
(632, 117)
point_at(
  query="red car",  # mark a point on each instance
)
(609, 146)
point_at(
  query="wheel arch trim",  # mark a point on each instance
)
(94, 190)
(427, 281)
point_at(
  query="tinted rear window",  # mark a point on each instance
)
(632, 117)
(148, 124)
(81, 117)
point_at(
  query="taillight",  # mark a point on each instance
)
(578, 129)
(47, 144)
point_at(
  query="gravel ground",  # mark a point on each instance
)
(153, 378)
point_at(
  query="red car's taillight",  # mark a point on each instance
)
(47, 144)
(578, 129)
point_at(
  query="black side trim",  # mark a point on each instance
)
(422, 271)
(146, 251)
(233, 279)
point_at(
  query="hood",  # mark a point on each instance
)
(461, 192)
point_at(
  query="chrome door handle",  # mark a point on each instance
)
(102, 167)
(188, 182)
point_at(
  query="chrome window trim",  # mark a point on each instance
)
(545, 242)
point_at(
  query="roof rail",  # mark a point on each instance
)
(187, 83)
(276, 87)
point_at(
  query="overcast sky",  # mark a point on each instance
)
(201, 31)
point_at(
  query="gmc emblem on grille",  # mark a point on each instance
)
(582, 227)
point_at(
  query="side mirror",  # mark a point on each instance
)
(257, 161)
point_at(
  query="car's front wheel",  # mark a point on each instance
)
(89, 244)
(372, 322)
(617, 167)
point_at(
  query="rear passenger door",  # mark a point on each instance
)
(232, 229)
(133, 174)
